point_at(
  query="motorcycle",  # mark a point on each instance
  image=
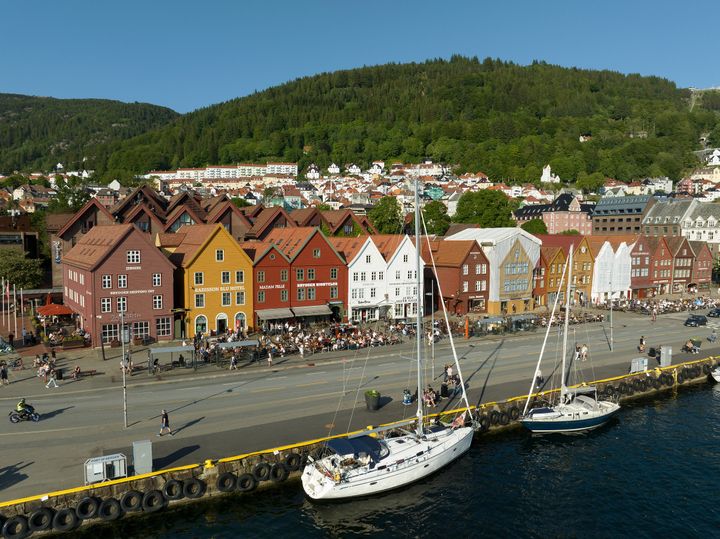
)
(16, 417)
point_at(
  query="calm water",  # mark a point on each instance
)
(654, 472)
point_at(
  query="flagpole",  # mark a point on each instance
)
(15, 309)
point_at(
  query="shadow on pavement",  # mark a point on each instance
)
(11, 475)
(49, 415)
(190, 424)
(492, 356)
(164, 462)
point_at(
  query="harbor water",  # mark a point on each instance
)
(652, 472)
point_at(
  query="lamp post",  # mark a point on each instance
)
(432, 327)
(124, 364)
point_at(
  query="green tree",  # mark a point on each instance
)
(571, 232)
(486, 208)
(21, 271)
(535, 226)
(68, 200)
(590, 183)
(323, 207)
(437, 221)
(386, 217)
(240, 202)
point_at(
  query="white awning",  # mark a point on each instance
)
(274, 314)
(312, 310)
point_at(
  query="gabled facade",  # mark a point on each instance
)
(271, 282)
(612, 272)
(562, 214)
(401, 274)
(702, 266)
(641, 257)
(114, 269)
(682, 268)
(547, 276)
(583, 262)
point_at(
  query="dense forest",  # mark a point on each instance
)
(492, 116)
(38, 132)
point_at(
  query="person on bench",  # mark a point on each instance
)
(76, 373)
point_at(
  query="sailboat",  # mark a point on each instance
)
(578, 409)
(365, 465)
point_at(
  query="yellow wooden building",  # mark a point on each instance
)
(213, 283)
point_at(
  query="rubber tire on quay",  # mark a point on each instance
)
(131, 501)
(293, 462)
(680, 378)
(109, 510)
(514, 412)
(261, 471)
(623, 388)
(173, 490)
(246, 482)
(484, 422)
(278, 472)
(194, 488)
(667, 380)
(16, 528)
(153, 501)
(45, 516)
(494, 417)
(226, 482)
(656, 383)
(87, 508)
(639, 385)
(706, 369)
(609, 390)
(504, 418)
(65, 520)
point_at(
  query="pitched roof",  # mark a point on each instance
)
(387, 244)
(291, 240)
(92, 247)
(56, 221)
(348, 247)
(266, 217)
(303, 216)
(93, 202)
(193, 237)
(563, 241)
(447, 253)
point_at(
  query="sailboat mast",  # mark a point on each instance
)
(418, 317)
(563, 387)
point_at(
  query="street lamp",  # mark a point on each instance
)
(124, 364)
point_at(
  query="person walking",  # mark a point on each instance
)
(51, 379)
(4, 375)
(165, 424)
(269, 358)
(233, 362)
(11, 340)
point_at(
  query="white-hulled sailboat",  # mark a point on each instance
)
(364, 465)
(577, 409)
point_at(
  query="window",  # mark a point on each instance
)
(261, 276)
(410, 274)
(199, 277)
(109, 332)
(381, 275)
(105, 305)
(82, 278)
(368, 258)
(397, 275)
(199, 301)
(333, 292)
(107, 281)
(301, 294)
(284, 275)
(311, 274)
(141, 329)
(361, 293)
(226, 299)
(261, 296)
(157, 279)
(333, 273)
(157, 302)
(477, 269)
(225, 277)
(372, 292)
(300, 274)
(465, 269)
(316, 253)
(311, 293)
(219, 255)
(200, 324)
(397, 291)
(162, 327)
(121, 305)
(239, 276)
(283, 295)
(362, 275)
(405, 258)
(477, 286)
(122, 281)
(133, 257)
(240, 298)
(356, 276)
(465, 286)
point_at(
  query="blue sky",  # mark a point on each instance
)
(190, 54)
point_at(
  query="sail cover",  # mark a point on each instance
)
(355, 446)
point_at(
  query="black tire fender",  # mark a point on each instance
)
(484, 422)
(131, 501)
(173, 490)
(87, 508)
(41, 519)
(16, 528)
(246, 482)
(514, 412)
(109, 510)
(278, 472)
(494, 417)
(293, 462)
(706, 369)
(194, 488)
(65, 520)
(504, 418)
(153, 501)
(226, 482)
(623, 388)
(261, 471)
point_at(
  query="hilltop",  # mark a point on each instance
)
(38, 132)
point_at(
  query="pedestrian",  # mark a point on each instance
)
(584, 352)
(24, 336)
(539, 380)
(4, 375)
(233, 362)
(269, 357)
(52, 352)
(165, 424)
(51, 379)
(11, 339)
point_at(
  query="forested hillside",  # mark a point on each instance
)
(38, 132)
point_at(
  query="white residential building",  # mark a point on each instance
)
(333, 169)
(548, 176)
(400, 275)
(612, 271)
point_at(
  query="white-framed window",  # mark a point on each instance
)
(199, 301)
(107, 281)
(333, 273)
(465, 269)
(368, 259)
(465, 286)
(301, 294)
(483, 286)
(133, 257)
(311, 274)
(109, 332)
(483, 269)
(372, 292)
(240, 298)
(353, 293)
(356, 276)
(283, 275)
(333, 292)
(141, 328)
(477, 286)
(82, 278)
(261, 276)
(157, 302)
(363, 275)
(361, 293)
(381, 275)
(311, 293)
(121, 303)
(316, 253)
(397, 275)
(122, 281)
(373, 276)
(225, 277)
(219, 255)
(226, 299)
(477, 269)
(283, 295)
(397, 291)
(410, 274)
(157, 279)
(261, 296)
(300, 274)
(405, 258)
(105, 305)
(163, 327)
(239, 276)
(199, 277)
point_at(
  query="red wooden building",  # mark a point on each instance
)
(271, 278)
(641, 267)
(683, 258)
(702, 266)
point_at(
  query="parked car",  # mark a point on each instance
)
(714, 313)
(695, 320)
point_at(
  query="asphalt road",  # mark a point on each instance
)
(235, 412)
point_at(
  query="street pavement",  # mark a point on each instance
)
(217, 413)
